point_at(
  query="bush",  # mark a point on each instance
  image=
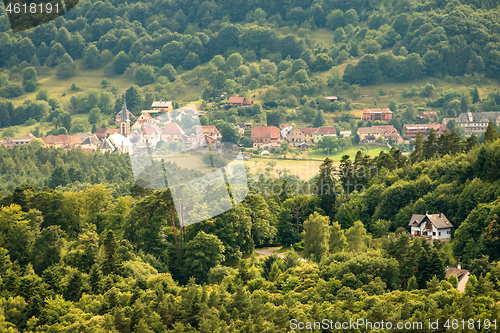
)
(11, 90)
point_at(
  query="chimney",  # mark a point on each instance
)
(459, 266)
(439, 214)
(426, 212)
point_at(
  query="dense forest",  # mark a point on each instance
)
(94, 261)
(238, 47)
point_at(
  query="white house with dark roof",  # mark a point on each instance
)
(431, 226)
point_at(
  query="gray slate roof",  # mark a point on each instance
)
(91, 140)
(470, 117)
(438, 220)
(107, 145)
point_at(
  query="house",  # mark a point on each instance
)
(107, 146)
(431, 226)
(171, 132)
(64, 141)
(461, 274)
(323, 131)
(92, 143)
(102, 133)
(162, 106)
(242, 101)
(212, 132)
(19, 141)
(477, 122)
(150, 134)
(332, 98)
(413, 129)
(371, 134)
(84, 136)
(377, 114)
(345, 134)
(309, 133)
(265, 136)
(145, 116)
(285, 129)
(295, 137)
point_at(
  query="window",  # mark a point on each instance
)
(448, 232)
(434, 234)
(439, 234)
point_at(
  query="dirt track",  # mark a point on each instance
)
(268, 252)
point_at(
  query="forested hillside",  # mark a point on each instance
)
(89, 261)
(270, 50)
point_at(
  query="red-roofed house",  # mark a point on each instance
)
(266, 136)
(412, 129)
(234, 100)
(102, 133)
(323, 131)
(309, 133)
(62, 141)
(371, 134)
(377, 114)
(212, 132)
(171, 132)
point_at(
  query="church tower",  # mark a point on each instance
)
(124, 121)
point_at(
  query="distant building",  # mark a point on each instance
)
(295, 137)
(118, 116)
(119, 144)
(145, 116)
(162, 106)
(371, 134)
(19, 141)
(102, 133)
(64, 141)
(124, 120)
(242, 101)
(431, 226)
(285, 129)
(332, 98)
(377, 114)
(265, 136)
(324, 131)
(309, 133)
(91, 143)
(477, 122)
(172, 132)
(212, 132)
(345, 134)
(413, 129)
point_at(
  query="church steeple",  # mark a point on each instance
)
(124, 121)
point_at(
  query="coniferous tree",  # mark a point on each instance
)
(491, 133)
(111, 259)
(417, 154)
(325, 185)
(430, 145)
(475, 95)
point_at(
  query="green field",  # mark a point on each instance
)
(371, 151)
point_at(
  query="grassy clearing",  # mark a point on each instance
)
(304, 169)
(371, 151)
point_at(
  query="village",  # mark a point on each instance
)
(146, 130)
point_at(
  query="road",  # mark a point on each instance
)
(268, 252)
